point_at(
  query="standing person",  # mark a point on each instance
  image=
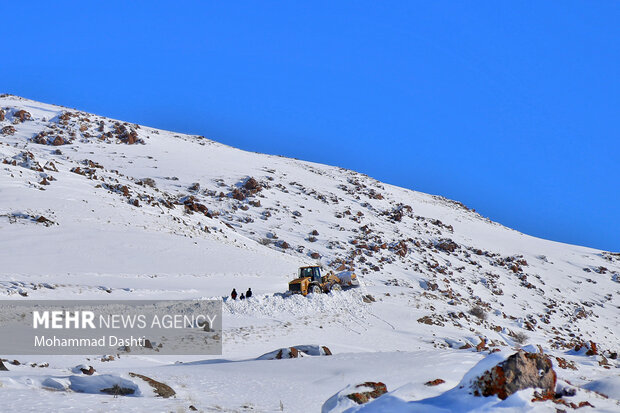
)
(248, 293)
(242, 297)
(233, 295)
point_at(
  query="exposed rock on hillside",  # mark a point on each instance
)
(520, 371)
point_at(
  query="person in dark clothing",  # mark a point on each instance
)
(242, 297)
(248, 293)
(233, 295)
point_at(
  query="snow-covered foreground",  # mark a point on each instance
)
(298, 384)
(92, 208)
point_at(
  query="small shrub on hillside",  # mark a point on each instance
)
(519, 337)
(149, 182)
(479, 312)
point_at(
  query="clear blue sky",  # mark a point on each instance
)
(510, 107)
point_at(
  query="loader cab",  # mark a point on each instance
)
(313, 272)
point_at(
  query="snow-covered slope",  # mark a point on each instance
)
(96, 208)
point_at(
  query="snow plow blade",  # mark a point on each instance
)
(348, 279)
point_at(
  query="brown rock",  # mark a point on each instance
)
(3, 367)
(58, 141)
(40, 138)
(447, 245)
(89, 371)
(315, 255)
(238, 195)
(327, 351)
(252, 185)
(565, 364)
(291, 353)
(50, 166)
(43, 220)
(294, 353)
(22, 115)
(117, 390)
(8, 130)
(362, 397)
(435, 382)
(161, 389)
(132, 137)
(592, 351)
(520, 371)
(65, 116)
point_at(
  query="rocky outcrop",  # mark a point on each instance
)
(58, 141)
(192, 206)
(252, 185)
(161, 389)
(248, 189)
(352, 396)
(368, 391)
(296, 352)
(84, 369)
(117, 390)
(45, 221)
(447, 245)
(520, 371)
(238, 194)
(8, 130)
(22, 115)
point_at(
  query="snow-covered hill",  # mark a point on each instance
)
(92, 207)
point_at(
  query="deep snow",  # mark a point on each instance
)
(426, 261)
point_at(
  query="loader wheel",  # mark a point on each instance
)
(315, 289)
(336, 287)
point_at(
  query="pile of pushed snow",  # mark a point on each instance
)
(296, 305)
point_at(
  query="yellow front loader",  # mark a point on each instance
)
(310, 280)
